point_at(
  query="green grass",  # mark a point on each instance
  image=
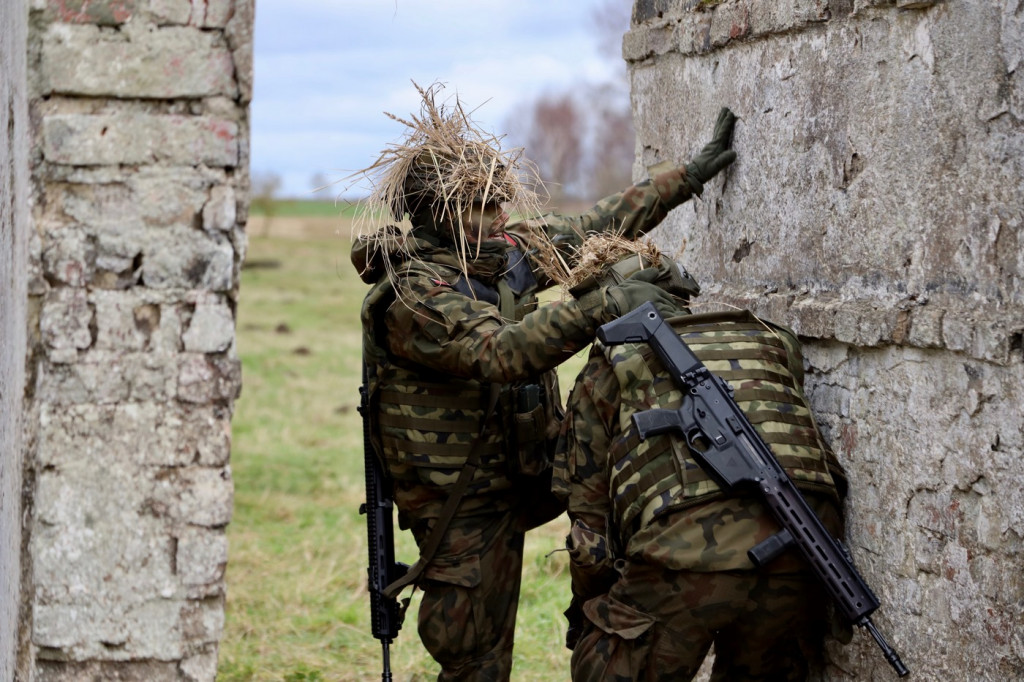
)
(297, 607)
(301, 208)
(305, 208)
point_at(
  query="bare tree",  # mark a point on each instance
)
(318, 182)
(584, 146)
(611, 20)
(612, 146)
(612, 142)
(263, 192)
(554, 142)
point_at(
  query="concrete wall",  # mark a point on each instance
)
(14, 226)
(877, 208)
(140, 131)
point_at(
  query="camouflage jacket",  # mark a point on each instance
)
(436, 339)
(650, 501)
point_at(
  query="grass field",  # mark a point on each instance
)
(297, 606)
(305, 208)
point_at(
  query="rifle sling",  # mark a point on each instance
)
(429, 549)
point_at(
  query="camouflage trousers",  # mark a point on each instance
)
(467, 616)
(657, 624)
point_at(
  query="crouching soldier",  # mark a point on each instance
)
(659, 561)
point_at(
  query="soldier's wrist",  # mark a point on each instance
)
(673, 186)
(593, 304)
(692, 181)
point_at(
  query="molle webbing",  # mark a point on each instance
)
(433, 425)
(653, 476)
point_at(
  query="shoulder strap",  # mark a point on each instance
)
(506, 301)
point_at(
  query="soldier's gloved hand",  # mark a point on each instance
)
(716, 154)
(639, 289)
(612, 302)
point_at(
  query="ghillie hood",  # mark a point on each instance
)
(442, 165)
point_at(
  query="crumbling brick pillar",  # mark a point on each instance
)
(140, 132)
(877, 208)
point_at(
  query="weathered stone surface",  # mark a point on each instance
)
(211, 330)
(120, 671)
(205, 379)
(171, 11)
(141, 131)
(200, 667)
(108, 139)
(239, 32)
(204, 13)
(201, 556)
(105, 377)
(15, 230)
(219, 212)
(873, 226)
(932, 445)
(136, 62)
(126, 202)
(116, 571)
(119, 323)
(121, 237)
(141, 434)
(70, 257)
(88, 11)
(66, 319)
(200, 496)
(185, 258)
(985, 332)
(875, 208)
(215, 13)
(160, 629)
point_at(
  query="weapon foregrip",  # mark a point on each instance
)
(768, 549)
(653, 422)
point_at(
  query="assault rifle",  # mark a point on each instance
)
(385, 612)
(731, 450)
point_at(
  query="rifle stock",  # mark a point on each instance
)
(731, 450)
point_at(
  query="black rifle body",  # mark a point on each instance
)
(731, 450)
(385, 613)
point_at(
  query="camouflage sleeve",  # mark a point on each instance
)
(432, 324)
(590, 421)
(632, 212)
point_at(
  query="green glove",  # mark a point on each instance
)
(609, 303)
(715, 156)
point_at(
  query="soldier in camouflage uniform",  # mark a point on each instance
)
(658, 552)
(453, 321)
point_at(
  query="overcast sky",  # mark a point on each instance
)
(326, 70)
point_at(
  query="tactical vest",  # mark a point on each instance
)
(424, 422)
(764, 366)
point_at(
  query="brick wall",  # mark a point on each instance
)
(140, 128)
